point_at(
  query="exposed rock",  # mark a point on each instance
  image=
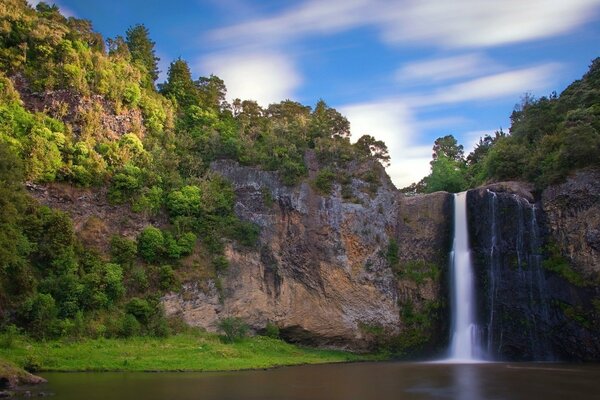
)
(319, 271)
(11, 377)
(95, 219)
(573, 214)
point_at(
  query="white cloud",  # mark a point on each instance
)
(456, 23)
(490, 87)
(393, 123)
(477, 23)
(444, 69)
(266, 77)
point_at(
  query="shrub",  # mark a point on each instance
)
(324, 181)
(166, 277)
(151, 243)
(129, 326)
(140, 309)
(271, 330)
(233, 328)
(123, 251)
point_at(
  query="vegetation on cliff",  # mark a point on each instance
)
(86, 112)
(549, 138)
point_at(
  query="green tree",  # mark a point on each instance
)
(142, 52)
(369, 146)
(446, 174)
(448, 147)
(179, 84)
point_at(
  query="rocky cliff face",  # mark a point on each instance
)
(537, 269)
(321, 270)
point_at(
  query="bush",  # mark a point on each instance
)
(324, 181)
(10, 334)
(151, 243)
(233, 328)
(271, 330)
(140, 309)
(129, 326)
(39, 314)
(166, 276)
(123, 251)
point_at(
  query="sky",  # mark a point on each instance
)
(404, 71)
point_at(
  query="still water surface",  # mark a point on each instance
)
(380, 381)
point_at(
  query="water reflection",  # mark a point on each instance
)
(467, 382)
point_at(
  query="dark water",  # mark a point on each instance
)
(378, 381)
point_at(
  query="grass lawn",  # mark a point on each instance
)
(183, 352)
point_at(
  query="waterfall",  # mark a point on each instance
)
(464, 345)
(515, 299)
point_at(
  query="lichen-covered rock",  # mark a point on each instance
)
(320, 271)
(573, 214)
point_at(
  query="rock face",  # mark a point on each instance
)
(95, 219)
(320, 271)
(537, 269)
(573, 214)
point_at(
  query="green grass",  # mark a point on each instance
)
(183, 352)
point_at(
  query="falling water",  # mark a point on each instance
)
(464, 344)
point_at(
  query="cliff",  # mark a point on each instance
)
(321, 271)
(537, 267)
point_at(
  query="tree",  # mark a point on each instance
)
(179, 84)
(448, 147)
(370, 146)
(328, 122)
(212, 91)
(446, 174)
(142, 52)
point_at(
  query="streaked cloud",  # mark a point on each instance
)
(490, 87)
(456, 24)
(444, 69)
(266, 77)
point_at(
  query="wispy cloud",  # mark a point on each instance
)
(266, 77)
(457, 23)
(444, 69)
(489, 87)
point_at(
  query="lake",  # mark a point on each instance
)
(382, 380)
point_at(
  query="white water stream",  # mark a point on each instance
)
(464, 341)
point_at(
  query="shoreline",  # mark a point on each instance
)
(178, 353)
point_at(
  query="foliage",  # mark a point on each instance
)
(141, 48)
(233, 328)
(324, 181)
(555, 262)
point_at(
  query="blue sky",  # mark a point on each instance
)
(405, 71)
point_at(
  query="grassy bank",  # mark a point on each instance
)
(183, 352)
